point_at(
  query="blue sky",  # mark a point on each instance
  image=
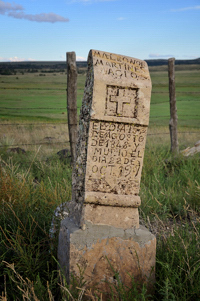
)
(44, 30)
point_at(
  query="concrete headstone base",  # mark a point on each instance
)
(98, 247)
(126, 217)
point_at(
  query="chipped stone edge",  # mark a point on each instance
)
(109, 199)
(94, 233)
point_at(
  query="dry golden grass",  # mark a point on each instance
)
(51, 137)
(54, 137)
(187, 137)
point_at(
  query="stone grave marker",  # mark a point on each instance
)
(103, 225)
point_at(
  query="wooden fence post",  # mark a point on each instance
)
(72, 101)
(173, 109)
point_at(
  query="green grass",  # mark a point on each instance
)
(43, 92)
(46, 95)
(30, 191)
(34, 184)
(187, 97)
(165, 195)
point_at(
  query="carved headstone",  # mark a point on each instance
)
(112, 135)
(102, 228)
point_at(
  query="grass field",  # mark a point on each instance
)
(32, 188)
(36, 98)
(42, 96)
(32, 185)
(187, 96)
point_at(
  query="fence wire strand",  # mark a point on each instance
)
(37, 143)
(34, 124)
(65, 142)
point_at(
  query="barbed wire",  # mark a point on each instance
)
(40, 89)
(4, 108)
(65, 142)
(158, 103)
(65, 123)
(31, 144)
(64, 108)
(177, 92)
(64, 89)
(178, 116)
(34, 124)
(167, 133)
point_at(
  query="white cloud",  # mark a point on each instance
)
(157, 55)
(81, 58)
(17, 11)
(50, 17)
(197, 7)
(166, 56)
(190, 56)
(78, 58)
(121, 19)
(6, 7)
(91, 1)
(3, 59)
(14, 59)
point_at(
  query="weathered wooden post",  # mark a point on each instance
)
(71, 101)
(173, 109)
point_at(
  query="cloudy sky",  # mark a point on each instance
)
(145, 29)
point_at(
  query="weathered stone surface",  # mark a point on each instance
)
(16, 150)
(102, 228)
(130, 253)
(123, 217)
(64, 154)
(190, 151)
(112, 135)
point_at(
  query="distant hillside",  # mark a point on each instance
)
(161, 62)
(8, 68)
(38, 65)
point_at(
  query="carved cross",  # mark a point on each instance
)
(120, 100)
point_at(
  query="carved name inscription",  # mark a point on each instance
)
(120, 67)
(115, 157)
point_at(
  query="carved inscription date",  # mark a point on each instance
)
(115, 157)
